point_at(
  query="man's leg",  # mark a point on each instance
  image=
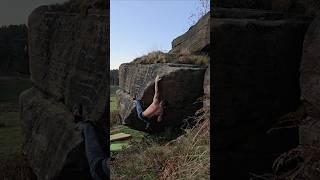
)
(96, 156)
(140, 113)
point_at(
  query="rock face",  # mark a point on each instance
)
(307, 7)
(310, 66)
(68, 63)
(310, 87)
(180, 87)
(256, 59)
(196, 40)
(206, 89)
(249, 4)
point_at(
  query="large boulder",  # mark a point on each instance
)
(66, 62)
(68, 65)
(306, 7)
(206, 89)
(256, 60)
(196, 40)
(310, 88)
(249, 4)
(180, 87)
(310, 67)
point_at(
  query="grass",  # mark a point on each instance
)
(187, 157)
(11, 88)
(114, 113)
(10, 142)
(113, 99)
(12, 163)
(113, 104)
(161, 57)
(15, 167)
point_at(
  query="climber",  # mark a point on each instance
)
(154, 110)
(96, 156)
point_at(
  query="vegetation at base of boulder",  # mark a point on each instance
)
(115, 119)
(17, 168)
(299, 163)
(161, 57)
(187, 157)
(12, 163)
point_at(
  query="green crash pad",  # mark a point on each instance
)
(118, 146)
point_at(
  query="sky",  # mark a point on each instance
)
(17, 11)
(141, 26)
(137, 26)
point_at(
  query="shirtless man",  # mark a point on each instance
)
(154, 110)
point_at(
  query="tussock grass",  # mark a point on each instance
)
(161, 57)
(15, 168)
(187, 157)
(300, 163)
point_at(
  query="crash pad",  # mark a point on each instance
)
(119, 136)
(118, 146)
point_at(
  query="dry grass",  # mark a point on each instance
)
(300, 163)
(161, 57)
(187, 157)
(115, 119)
(190, 155)
(15, 168)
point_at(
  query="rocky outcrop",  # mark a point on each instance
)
(68, 64)
(256, 59)
(249, 4)
(310, 67)
(180, 87)
(306, 7)
(310, 88)
(206, 89)
(196, 40)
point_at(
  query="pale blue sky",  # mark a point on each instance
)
(17, 11)
(140, 26)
